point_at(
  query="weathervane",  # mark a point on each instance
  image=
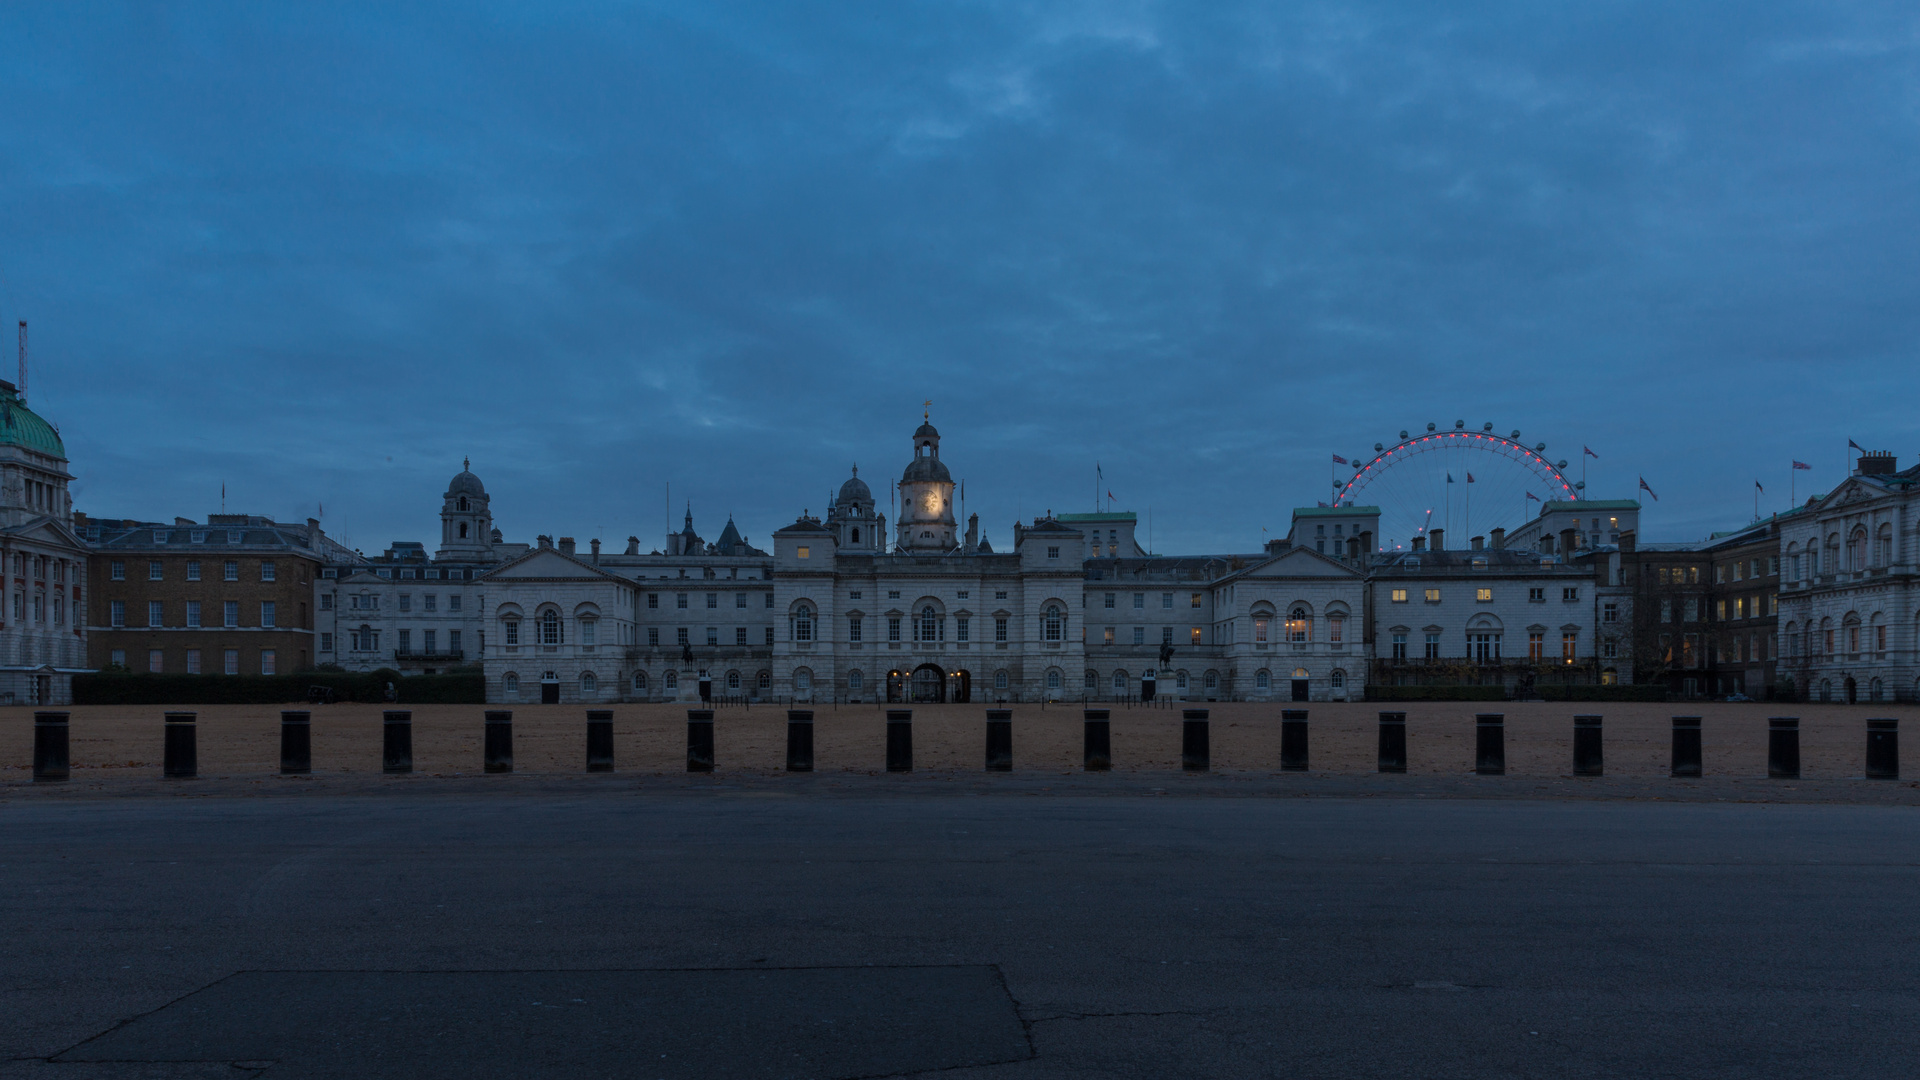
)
(927, 414)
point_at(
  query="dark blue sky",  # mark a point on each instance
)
(320, 252)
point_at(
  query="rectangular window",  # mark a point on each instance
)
(406, 641)
(406, 601)
(739, 635)
(1336, 630)
(713, 600)
(680, 635)
(1536, 646)
(266, 613)
(430, 601)
(1609, 649)
(1139, 601)
(653, 637)
(193, 570)
(193, 661)
(326, 601)
(1569, 643)
(1399, 596)
(1484, 596)
(1109, 600)
(1166, 601)
(961, 625)
(453, 602)
(156, 661)
(590, 632)
(326, 642)
(894, 594)
(680, 601)
(1053, 552)
(156, 613)
(1569, 595)
(1107, 638)
(853, 629)
(233, 574)
(1194, 635)
(1259, 631)
(232, 613)
(713, 635)
(266, 662)
(1433, 646)
(1139, 635)
(653, 600)
(232, 666)
(1399, 646)
(266, 570)
(893, 628)
(453, 641)
(1000, 629)
(803, 552)
(153, 570)
(512, 631)
(1166, 635)
(1196, 599)
(116, 570)
(1433, 596)
(118, 611)
(1610, 613)
(117, 657)
(739, 600)
(769, 635)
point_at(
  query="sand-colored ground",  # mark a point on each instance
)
(237, 740)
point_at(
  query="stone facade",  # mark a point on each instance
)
(43, 562)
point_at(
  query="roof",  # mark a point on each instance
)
(1335, 511)
(926, 468)
(1124, 515)
(1560, 505)
(729, 536)
(22, 427)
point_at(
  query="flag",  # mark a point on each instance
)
(1338, 460)
(1590, 452)
(1532, 496)
(1109, 496)
(1648, 490)
(1802, 465)
(1319, 504)
(1449, 478)
(1856, 446)
(1756, 484)
(1469, 478)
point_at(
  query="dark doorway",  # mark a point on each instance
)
(1299, 689)
(1852, 692)
(963, 686)
(550, 692)
(896, 687)
(929, 684)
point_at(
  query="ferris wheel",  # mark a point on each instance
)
(1466, 482)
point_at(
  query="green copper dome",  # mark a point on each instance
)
(22, 427)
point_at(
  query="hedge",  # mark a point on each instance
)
(364, 686)
(1436, 693)
(1592, 692)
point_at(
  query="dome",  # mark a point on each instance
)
(927, 431)
(855, 490)
(465, 483)
(22, 427)
(926, 468)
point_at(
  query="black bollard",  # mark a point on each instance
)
(1195, 753)
(496, 753)
(49, 746)
(1293, 740)
(799, 740)
(1883, 749)
(1490, 744)
(182, 759)
(999, 740)
(1393, 742)
(599, 740)
(296, 743)
(1587, 748)
(1783, 747)
(396, 749)
(1096, 754)
(1686, 746)
(699, 740)
(899, 740)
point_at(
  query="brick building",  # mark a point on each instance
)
(234, 596)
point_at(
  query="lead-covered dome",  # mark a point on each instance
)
(465, 483)
(22, 427)
(926, 468)
(855, 490)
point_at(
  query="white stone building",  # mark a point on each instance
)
(43, 563)
(1849, 602)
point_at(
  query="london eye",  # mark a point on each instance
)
(1466, 482)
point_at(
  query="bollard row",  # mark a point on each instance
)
(180, 749)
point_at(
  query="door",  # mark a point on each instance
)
(963, 686)
(550, 692)
(929, 684)
(1299, 684)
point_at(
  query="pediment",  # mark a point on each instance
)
(1299, 563)
(48, 531)
(548, 564)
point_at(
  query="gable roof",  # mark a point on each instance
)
(1296, 562)
(549, 564)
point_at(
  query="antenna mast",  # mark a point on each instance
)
(23, 361)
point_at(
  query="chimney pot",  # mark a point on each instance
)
(1419, 543)
(1498, 538)
(1478, 542)
(1438, 535)
(566, 545)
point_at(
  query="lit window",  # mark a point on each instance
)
(1433, 596)
(1399, 596)
(803, 552)
(1483, 595)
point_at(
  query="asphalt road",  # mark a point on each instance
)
(909, 931)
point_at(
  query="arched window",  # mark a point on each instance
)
(510, 683)
(803, 623)
(550, 627)
(929, 626)
(1212, 680)
(1261, 680)
(1000, 679)
(1054, 622)
(1873, 690)
(1092, 681)
(802, 679)
(589, 684)
(733, 680)
(765, 680)
(463, 509)
(463, 530)
(1053, 678)
(640, 681)
(1884, 557)
(856, 534)
(855, 680)
(512, 630)
(671, 681)
(1338, 680)
(1857, 550)
(1826, 689)
(1180, 679)
(1299, 626)
(1120, 682)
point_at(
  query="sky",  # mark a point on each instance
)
(621, 254)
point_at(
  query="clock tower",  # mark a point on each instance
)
(926, 497)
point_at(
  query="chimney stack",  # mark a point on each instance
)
(1568, 542)
(1419, 543)
(1498, 537)
(566, 545)
(596, 552)
(633, 545)
(1438, 539)
(1479, 543)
